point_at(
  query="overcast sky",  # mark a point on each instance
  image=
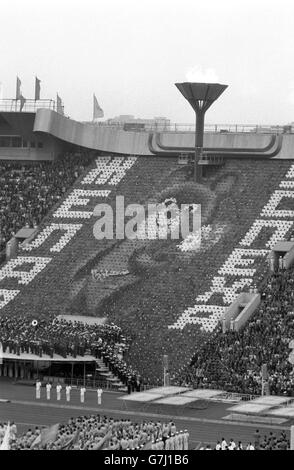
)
(131, 52)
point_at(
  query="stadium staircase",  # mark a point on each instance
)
(104, 373)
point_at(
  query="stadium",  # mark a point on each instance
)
(116, 336)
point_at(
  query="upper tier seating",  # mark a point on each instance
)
(28, 192)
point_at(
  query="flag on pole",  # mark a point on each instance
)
(5, 443)
(72, 441)
(97, 111)
(49, 434)
(59, 107)
(148, 446)
(18, 91)
(46, 436)
(37, 89)
(1, 354)
(22, 102)
(101, 444)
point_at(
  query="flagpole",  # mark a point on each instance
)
(35, 92)
(18, 92)
(37, 88)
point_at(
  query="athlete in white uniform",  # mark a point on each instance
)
(83, 391)
(58, 392)
(99, 395)
(48, 390)
(186, 440)
(38, 390)
(67, 392)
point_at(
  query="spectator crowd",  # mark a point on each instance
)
(233, 360)
(96, 432)
(259, 442)
(53, 335)
(28, 192)
(230, 361)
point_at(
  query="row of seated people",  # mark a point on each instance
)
(88, 432)
(51, 335)
(233, 361)
(267, 442)
(28, 192)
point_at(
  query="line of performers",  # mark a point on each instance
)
(68, 390)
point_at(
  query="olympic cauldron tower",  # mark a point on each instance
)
(200, 96)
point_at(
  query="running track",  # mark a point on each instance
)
(204, 425)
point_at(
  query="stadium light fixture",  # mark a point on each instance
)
(200, 96)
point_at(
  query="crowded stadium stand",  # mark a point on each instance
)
(148, 287)
(233, 360)
(53, 336)
(29, 191)
(172, 291)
